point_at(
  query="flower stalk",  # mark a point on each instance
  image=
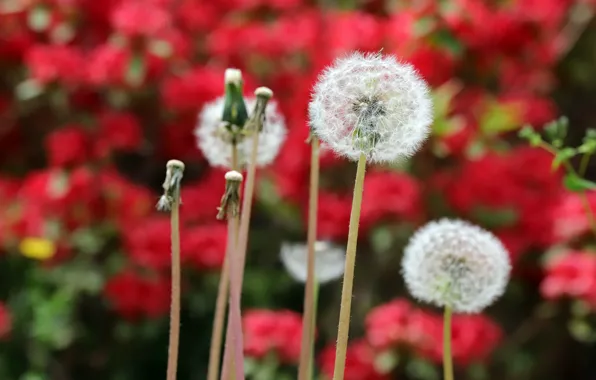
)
(253, 127)
(309, 316)
(170, 201)
(346, 294)
(223, 287)
(447, 357)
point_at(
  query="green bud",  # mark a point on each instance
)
(234, 112)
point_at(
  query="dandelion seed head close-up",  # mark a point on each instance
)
(329, 261)
(456, 264)
(215, 140)
(371, 104)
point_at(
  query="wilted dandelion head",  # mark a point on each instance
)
(329, 261)
(371, 104)
(456, 264)
(215, 140)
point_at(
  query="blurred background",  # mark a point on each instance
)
(96, 96)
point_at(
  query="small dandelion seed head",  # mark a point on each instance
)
(454, 263)
(233, 76)
(371, 104)
(215, 140)
(329, 261)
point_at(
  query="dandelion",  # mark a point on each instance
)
(455, 264)
(215, 139)
(458, 266)
(329, 261)
(367, 107)
(373, 105)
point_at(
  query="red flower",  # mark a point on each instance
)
(148, 242)
(389, 195)
(134, 296)
(50, 63)
(5, 321)
(572, 274)
(571, 219)
(333, 216)
(205, 246)
(136, 18)
(201, 199)
(268, 331)
(360, 359)
(68, 146)
(126, 202)
(107, 65)
(435, 65)
(118, 131)
(393, 324)
(189, 91)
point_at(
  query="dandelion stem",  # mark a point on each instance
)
(175, 305)
(447, 360)
(309, 317)
(346, 294)
(222, 293)
(241, 247)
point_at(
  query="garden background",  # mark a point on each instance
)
(97, 95)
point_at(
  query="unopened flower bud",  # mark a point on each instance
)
(230, 201)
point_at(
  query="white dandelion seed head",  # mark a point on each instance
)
(329, 261)
(214, 138)
(454, 263)
(371, 104)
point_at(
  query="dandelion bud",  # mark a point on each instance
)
(171, 185)
(234, 109)
(216, 141)
(257, 117)
(230, 201)
(451, 263)
(373, 105)
(329, 261)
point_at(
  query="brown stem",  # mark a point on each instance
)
(222, 294)
(241, 247)
(175, 306)
(308, 319)
(346, 292)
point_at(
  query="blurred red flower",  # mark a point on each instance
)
(134, 296)
(360, 359)
(267, 331)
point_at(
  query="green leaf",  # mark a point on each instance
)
(499, 118)
(386, 362)
(136, 70)
(495, 218)
(39, 19)
(557, 129)
(576, 184)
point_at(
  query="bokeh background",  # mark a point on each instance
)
(96, 96)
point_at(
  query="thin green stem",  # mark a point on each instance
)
(175, 305)
(583, 165)
(583, 195)
(346, 295)
(447, 359)
(309, 316)
(222, 294)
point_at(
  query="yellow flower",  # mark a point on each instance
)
(37, 248)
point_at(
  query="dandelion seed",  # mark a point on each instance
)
(215, 139)
(454, 264)
(329, 261)
(373, 105)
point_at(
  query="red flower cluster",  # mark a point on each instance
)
(360, 362)
(134, 296)
(572, 274)
(399, 325)
(278, 332)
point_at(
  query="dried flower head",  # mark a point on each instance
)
(215, 140)
(371, 104)
(456, 264)
(329, 261)
(171, 185)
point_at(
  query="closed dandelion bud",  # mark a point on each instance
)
(373, 105)
(451, 263)
(329, 261)
(234, 108)
(216, 141)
